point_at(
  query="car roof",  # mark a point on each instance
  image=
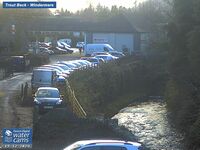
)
(119, 142)
(43, 69)
(102, 56)
(115, 52)
(100, 53)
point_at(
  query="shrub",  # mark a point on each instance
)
(109, 84)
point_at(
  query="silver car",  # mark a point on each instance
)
(104, 145)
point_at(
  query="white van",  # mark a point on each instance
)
(91, 48)
(43, 78)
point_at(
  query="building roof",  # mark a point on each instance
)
(116, 24)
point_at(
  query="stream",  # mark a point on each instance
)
(150, 125)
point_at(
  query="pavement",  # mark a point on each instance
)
(8, 88)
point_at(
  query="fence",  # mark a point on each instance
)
(75, 105)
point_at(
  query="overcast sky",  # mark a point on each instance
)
(74, 5)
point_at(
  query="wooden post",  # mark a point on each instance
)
(22, 90)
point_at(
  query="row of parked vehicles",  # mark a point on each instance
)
(62, 47)
(59, 48)
(55, 75)
(47, 96)
(46, 80)
(49, 75)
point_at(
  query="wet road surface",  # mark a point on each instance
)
(8, 87)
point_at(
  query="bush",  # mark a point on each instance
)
(112, 83)
(38, 60)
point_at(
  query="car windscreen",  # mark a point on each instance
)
(47, 93)
(64, 67)
(93, 60)
(104, 57)
(109, 47)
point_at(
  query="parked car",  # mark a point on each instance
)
(67, 63)
(47, 98)
(94, 61)
(64, 67)
(77, 64)
(80, 44)
(67, 72)
(64, 44)
(44, 44)
(83, 63)
(104, 145)
(58, 50)
(44, 50)
(58, 72)
(116, 54)
(106, 58)
(101, 60)
(87, 63)
(99, 53)
(69, 50)
(67, 41)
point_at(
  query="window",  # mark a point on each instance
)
(47, 93)
(106, 49)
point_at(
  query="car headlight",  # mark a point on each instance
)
(37, 102)
(59, 102)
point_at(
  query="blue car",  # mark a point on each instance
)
(47, 98)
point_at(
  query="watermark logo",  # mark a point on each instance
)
(17, 138)
(8, 133)
(29, 4)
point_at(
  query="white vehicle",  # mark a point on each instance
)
(80, 44)
(67, 41)
(99, 53)
(106, 58)
(42, 77)
(92, 48)
(116, 54)
(104, 145)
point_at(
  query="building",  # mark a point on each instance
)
(116, 31)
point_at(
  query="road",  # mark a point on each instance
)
(8, 110)
(13, 115)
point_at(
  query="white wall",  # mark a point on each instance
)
(124, 40)
(116, 40)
